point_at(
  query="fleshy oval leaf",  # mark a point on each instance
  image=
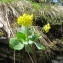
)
(15, 44)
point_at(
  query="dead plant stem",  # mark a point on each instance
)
(14, 56)
(31, 58)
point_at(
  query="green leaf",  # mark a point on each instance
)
(15, 44)
(30, 31)
(34, 37)
(28, 48)
(25, 43)
(21, 36)
(39, 46)
(23, 29)
(30, 42)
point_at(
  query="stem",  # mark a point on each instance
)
(14, 56)
(19, 57)
(31, 58)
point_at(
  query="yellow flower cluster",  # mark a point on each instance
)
(25, 20)
(46, 28)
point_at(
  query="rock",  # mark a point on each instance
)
(59, 57)
(55, 61)
(1, 25)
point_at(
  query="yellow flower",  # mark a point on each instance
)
(46, 28)
(25, 20)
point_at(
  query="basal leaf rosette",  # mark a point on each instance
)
(26, 36)
(25, 20)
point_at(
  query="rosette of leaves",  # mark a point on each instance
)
(25, 38)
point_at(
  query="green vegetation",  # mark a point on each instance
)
(25, 34)
(36, 5)
(26, 37)
(7, 1)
